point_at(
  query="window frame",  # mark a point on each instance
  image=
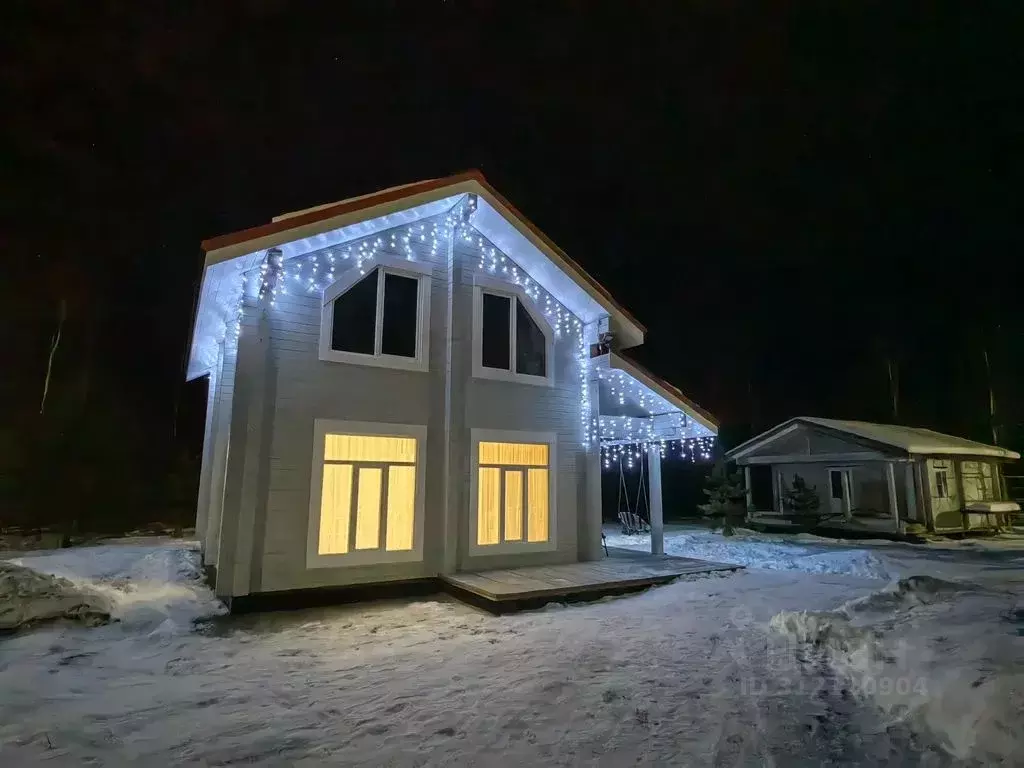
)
(478, 436)
(383, 265)
(482, 285)
(941, 491)
(324, 427)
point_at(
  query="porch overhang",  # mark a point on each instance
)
(635, 406)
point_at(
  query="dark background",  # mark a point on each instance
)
(792, 197)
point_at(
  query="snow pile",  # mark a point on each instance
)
(141, 585)
(756, 550)
(943, 657)
(28, 597)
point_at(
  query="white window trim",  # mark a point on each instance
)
(324, 427)
(384, 264)
(512, 436)
(482, 285)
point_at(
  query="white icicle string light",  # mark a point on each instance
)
(314, 272)
(691, 448)
(622, 386)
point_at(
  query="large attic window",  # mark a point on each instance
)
(378, 318)
(510, 341)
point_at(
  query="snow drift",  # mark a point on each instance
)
(28, 597)
(924, 650)
(135, 584)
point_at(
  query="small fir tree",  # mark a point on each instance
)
(801, 501)
(727, 496)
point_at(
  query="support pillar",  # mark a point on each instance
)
(657, 513)
(589, 544)
(894, 504)
(749, 489)
(960, 500)
(911, 491)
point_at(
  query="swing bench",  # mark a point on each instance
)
(630, 518)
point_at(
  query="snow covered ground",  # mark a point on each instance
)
(751, 549)
(786, 665)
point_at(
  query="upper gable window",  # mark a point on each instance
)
(510, 341)
(380, 318)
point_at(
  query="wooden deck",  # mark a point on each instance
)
(622, 571)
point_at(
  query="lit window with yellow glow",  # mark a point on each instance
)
(512, 493)
(368, 494)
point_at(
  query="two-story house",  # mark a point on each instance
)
(411, 383)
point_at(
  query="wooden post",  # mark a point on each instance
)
(589, 543)
(749, 489)
(776, 490)
(922, 471)
(913, 513)
(894, 502)
(657, 512)
(960, 500)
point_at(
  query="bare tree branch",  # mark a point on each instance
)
(54, 343)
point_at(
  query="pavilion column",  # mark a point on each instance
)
(589, 543)
(749, 489)
(894, 504)
(657, 514)
(908, 480)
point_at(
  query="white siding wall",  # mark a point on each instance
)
(307, 389)
(300, 388)
(492, 404)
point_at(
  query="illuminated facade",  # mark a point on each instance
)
(411, 383)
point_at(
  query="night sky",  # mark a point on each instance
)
(789, 197)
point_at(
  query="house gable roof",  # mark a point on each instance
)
(912, 441)
(497, 219)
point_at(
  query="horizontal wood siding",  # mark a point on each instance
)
(308, 389)
(302, 388)
(492, 404)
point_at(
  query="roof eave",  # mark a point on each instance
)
(665, 390)
(295, 227)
